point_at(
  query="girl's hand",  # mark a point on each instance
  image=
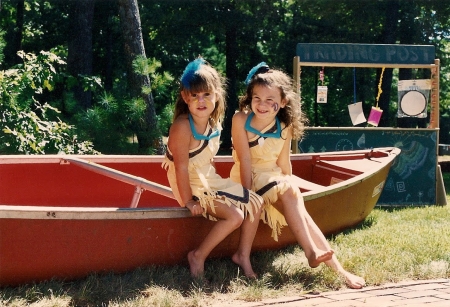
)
(194, 207)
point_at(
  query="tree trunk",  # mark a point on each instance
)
(408, 34)
(389, 35)
(148, 135)
(232, 99)
(79, 58)
(15, 37)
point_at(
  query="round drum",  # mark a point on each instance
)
(413, 103)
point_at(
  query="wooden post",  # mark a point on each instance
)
(434, 101)
(441, 198)
(297, 89)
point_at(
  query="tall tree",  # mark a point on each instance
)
(388, 37)
(231, 56)
(14, 36)
(79, 58)
(149, 135)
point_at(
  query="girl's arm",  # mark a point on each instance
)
(179, 141)
(284, 159)
(240, 144)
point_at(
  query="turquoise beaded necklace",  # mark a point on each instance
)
(275, 135)
(198, 136)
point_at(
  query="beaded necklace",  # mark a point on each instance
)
(276, 134)
(198, 136)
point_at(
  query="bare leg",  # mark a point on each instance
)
(230, 218)
(294, 211)
(352, 281)
(242, 255)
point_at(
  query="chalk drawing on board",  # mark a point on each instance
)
(420, 194)
(344, 144)
(361, 141)
(411, 159)
(401, 187)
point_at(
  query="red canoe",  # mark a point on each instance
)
(67, 216)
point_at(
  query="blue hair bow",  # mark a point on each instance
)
(190, 71)
(260, 68)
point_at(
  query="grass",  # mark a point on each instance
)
(391, 245)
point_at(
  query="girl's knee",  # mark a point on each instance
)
(289, 194)
(237, 218)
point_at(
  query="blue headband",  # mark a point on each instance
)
(190, 71)
(260, 68)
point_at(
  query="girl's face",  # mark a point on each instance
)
(266, 101)
(200, 104)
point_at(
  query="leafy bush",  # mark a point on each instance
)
(115, 119)
(29, 126)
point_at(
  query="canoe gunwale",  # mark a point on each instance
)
(85, 213)
(111, 213)
(327, 190)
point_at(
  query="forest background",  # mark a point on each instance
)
(101, 76)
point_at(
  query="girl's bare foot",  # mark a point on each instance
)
(196, 266)
(354, 281)
(244, 263)
(319, 256)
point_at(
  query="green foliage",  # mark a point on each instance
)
(2, 46)
(31, 127)
(247, 32)
(115, 119)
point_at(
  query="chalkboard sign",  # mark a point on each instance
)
(366, 53)
(412, 177)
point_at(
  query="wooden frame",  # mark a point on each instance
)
(376, 56)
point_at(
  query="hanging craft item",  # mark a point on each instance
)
(356, 113)
(376, 112)
(413, 98)
(355, 109)
(322, 90)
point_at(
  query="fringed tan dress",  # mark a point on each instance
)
(267, 178)
(208, 186)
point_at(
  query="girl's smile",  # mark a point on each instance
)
(266, 100)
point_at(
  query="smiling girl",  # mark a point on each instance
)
(269, 118)
(193, 142)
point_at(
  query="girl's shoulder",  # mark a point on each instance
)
(241, 116)
(181, 123)
(182, 118)
(286, 132)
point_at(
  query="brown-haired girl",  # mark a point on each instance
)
(193, 143)
(269, 118)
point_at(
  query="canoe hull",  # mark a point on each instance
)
(43, 241)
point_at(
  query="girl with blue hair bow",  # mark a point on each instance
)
(269, 118)
(193, 142)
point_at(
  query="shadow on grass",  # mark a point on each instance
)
(221, 275)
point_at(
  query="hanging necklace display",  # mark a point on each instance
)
(355, 109)
(376, 112)
(413, 98)
(322, 90)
